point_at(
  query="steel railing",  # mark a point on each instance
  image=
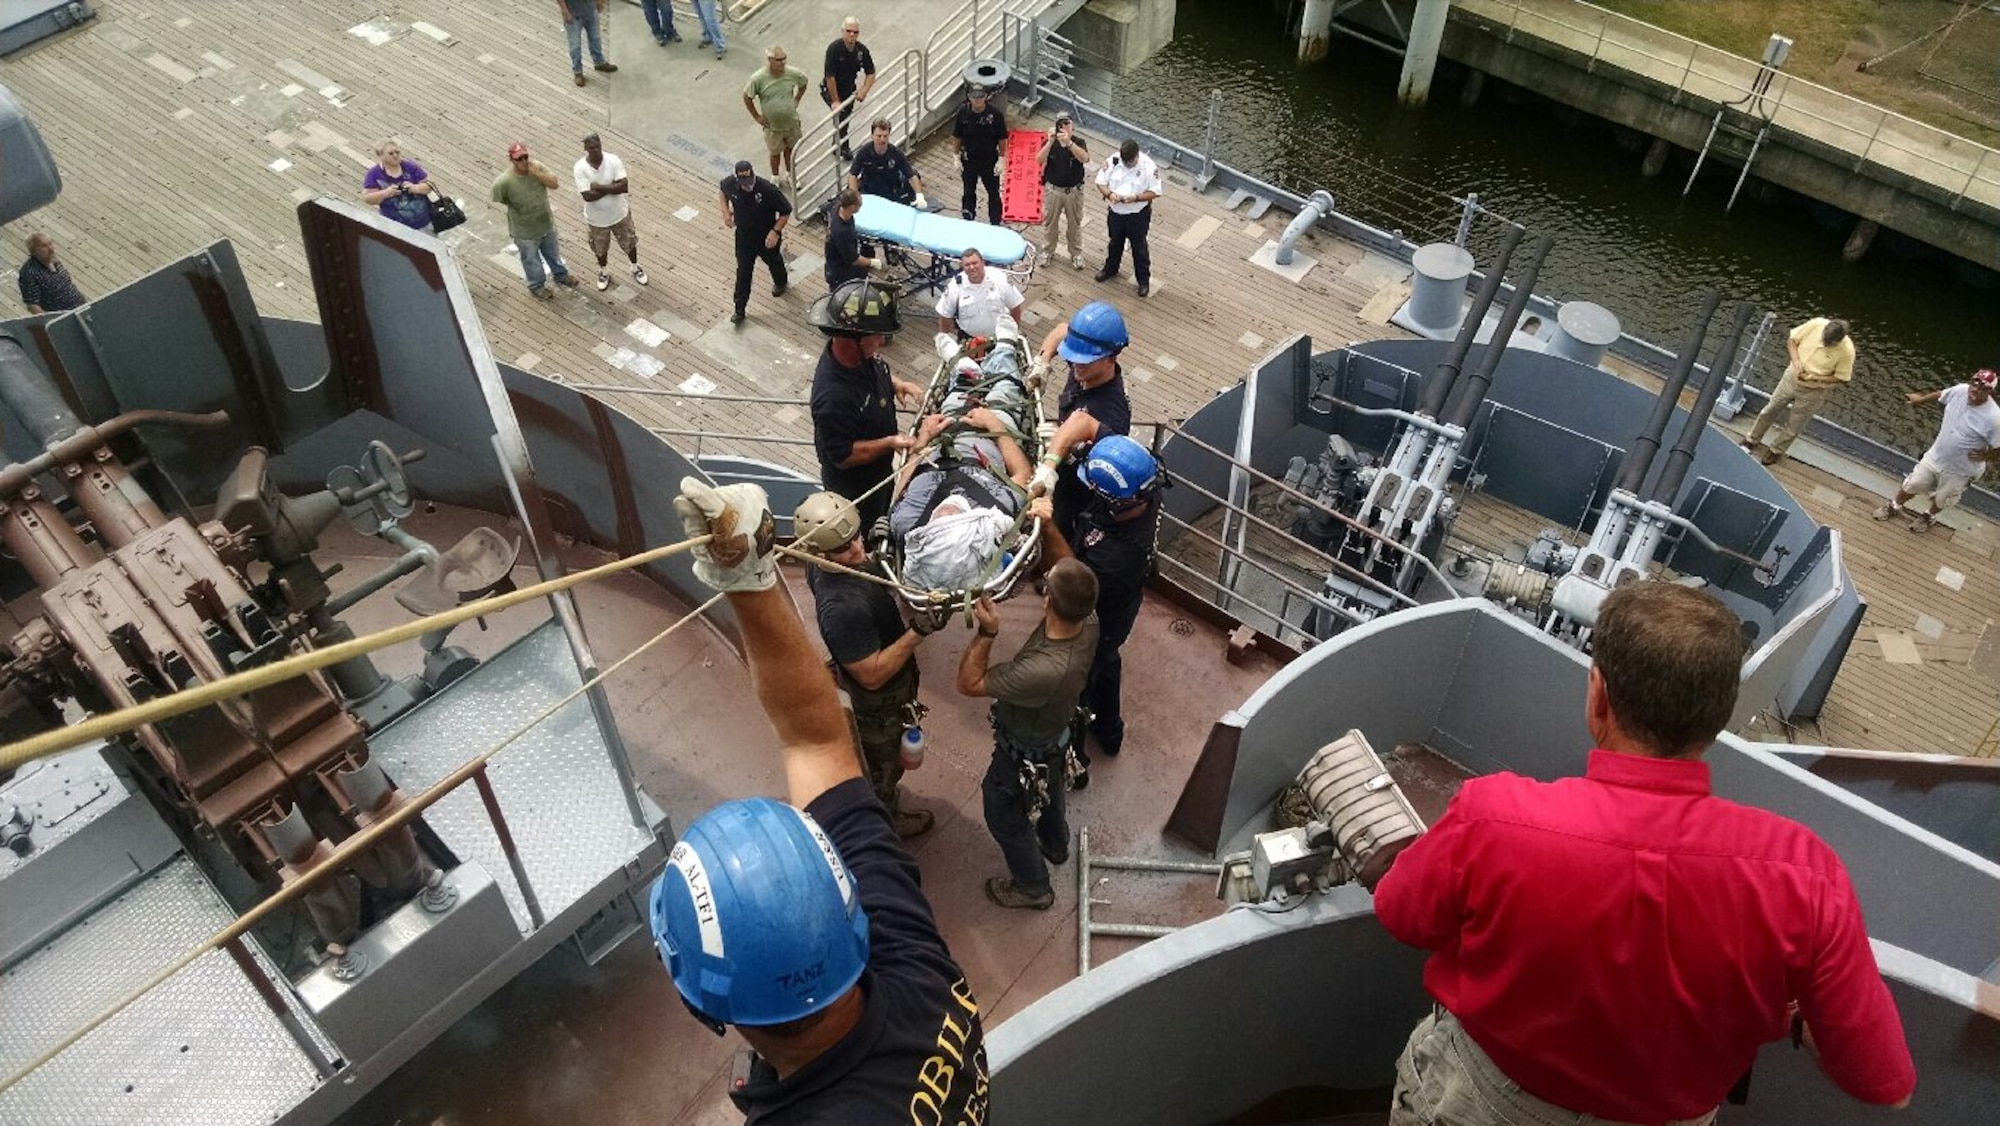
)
(1957, 166)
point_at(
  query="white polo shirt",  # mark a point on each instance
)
(605, 211)
(1137, 178)
(977, 308)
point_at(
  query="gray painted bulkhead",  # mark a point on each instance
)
(1549, 438)
(1251, 1008)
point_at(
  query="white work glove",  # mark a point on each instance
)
(1044, 434)
(739, 557)
(920, 203)
(1038, 370)
(1043, 482)
(947, 345)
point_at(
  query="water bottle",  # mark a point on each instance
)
(913, 748)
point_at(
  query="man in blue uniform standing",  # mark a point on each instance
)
(976, 135)
(804, 925)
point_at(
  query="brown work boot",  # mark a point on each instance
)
(607, 68)
(913, 822)
(1770, 457)
(580, 79)
(1008, 892)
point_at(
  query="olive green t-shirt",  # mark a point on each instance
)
(527, 202)
(777, 96)
(1036, 690)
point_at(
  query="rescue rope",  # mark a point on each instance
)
(189, 699)
(367, 837)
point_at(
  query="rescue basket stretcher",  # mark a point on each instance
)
(1018, 554)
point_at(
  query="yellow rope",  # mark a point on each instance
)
(354, 844)
(189, 699)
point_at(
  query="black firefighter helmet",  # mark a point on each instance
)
(857, 308)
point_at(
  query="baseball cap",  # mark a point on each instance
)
(745, 166)
(1064, 116)
(1985, 377)
(975, 91)
(516, 151)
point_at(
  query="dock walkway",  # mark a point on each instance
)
(177, 122)
(1956, 167)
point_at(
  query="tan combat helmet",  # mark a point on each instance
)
(824, 523)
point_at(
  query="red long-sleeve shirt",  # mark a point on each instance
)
(1621, 943)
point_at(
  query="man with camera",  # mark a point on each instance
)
(1062, 158)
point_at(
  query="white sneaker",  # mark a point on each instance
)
(1887, 510)
(1076, 261)
(603, 281)
(639, 274)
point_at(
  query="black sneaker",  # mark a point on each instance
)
(1105, 275)
(736, 318)
(779, 289)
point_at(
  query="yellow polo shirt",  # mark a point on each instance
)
(1819, 362)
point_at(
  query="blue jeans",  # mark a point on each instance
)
(576, 29)
(533, 251)
(660, 19)
(711, 24)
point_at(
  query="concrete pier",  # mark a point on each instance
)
(1315, 24)
(1420, 57)
(1121, 34)
(1912, 178)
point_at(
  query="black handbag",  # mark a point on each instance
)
(445, 213)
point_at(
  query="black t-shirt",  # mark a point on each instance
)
(1061, 170)
(757, 207)
(980, 130)
(858, 619)
(1119, 552)
(886, 173)
(1108, 404)
(850, 405)
(843, 249)
(918, 1053)
(845, 67)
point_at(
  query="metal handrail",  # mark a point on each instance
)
(1736, 75)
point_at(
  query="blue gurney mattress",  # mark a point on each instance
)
(889, 221)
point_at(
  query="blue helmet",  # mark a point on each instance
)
(1119, 468)
(1097, 331)
(756, 916)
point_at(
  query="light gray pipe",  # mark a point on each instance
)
(1318, 206)
(33, 395)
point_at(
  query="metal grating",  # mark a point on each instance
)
(202, 1047)
(556, 785)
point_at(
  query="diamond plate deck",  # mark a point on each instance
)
(556, 785)
(161, 1059)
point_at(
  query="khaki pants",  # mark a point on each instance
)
(1057, 203)
(1798, 405)
(1443, 1077)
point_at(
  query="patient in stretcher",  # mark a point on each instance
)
(956, 507)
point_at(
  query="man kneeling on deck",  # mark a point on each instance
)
(1034, 697)
(1613, 948)
(804, 925)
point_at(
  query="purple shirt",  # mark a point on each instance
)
(409, 209)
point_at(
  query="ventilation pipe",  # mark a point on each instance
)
(1317, 207)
